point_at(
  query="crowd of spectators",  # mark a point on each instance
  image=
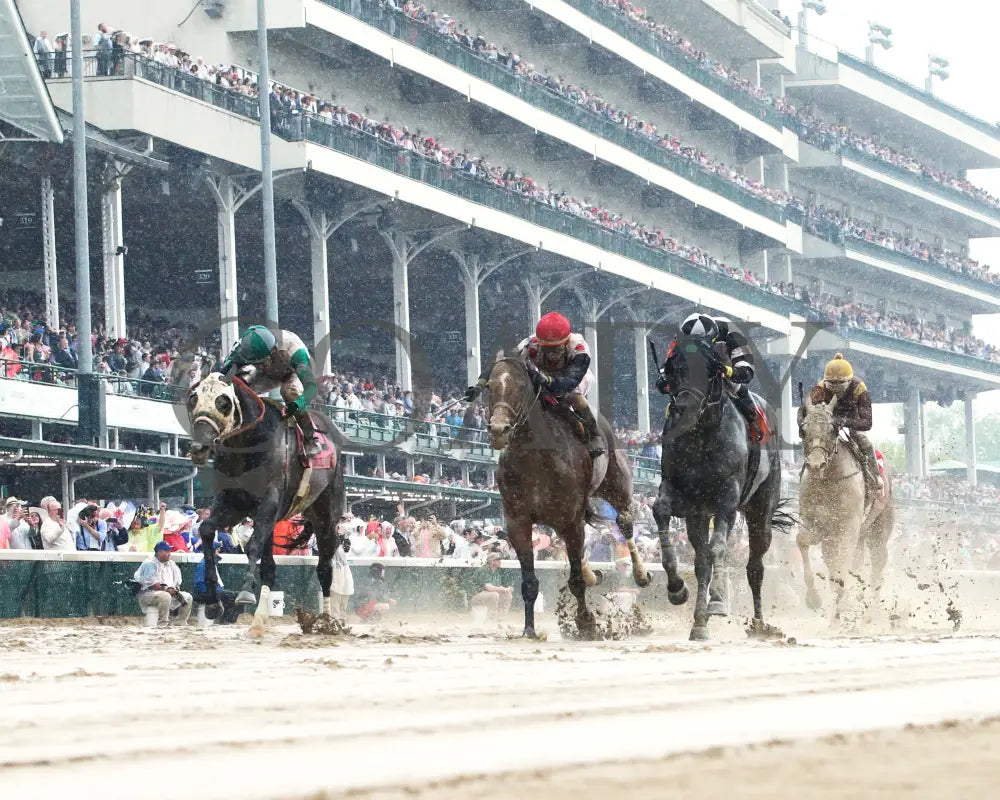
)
(943, 488)
(832, 224)
(807, 124)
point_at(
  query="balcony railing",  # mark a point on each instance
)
(421, 36)
(916, 92)
(54, 375)
(679, 60)
(927, 267)
(915, 179)
(918, 349)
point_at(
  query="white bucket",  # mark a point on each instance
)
(152, 616)
(203, 620)
(479, 614)
(277, 604)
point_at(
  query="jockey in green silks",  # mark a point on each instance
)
(283, 361)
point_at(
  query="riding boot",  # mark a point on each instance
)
(310, 445)
(871, 467)
(595, 441)
(747, 407)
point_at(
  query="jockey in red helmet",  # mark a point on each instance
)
(560, 363)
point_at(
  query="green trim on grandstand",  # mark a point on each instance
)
(916, 180)
(921, 350)
(666, 52)
(421, 36)
(94, 455)
(916, 92)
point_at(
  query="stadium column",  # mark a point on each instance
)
(970, 440)
(913, 436)
(113, 241)
(321, 228)
(787, 422)
(229, 197)
(640, 333)
(591, 316)
(473, 270)
(405, 247)
(51, 276)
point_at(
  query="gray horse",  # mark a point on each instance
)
(832, 507)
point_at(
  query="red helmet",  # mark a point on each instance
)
(553, 329)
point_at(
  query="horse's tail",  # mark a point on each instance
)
(782, 519)
(302, 538)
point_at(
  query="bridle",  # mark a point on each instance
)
(208, 418)
(520, 416)
(829, 453)
(702, 398)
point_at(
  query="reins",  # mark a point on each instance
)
(240, 384)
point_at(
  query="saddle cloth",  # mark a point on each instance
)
(880, 459)
(327, 456)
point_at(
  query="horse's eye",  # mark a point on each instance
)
(224, 404)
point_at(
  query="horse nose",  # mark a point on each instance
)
(499, 428)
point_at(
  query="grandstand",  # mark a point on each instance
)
(503, 158)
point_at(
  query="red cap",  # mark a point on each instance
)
(553, 329)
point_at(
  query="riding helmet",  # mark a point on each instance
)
(839, 369)
(700, 326)
(553, 329)
(256, 345)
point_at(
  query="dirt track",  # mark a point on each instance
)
(95, 711)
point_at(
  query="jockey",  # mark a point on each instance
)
(739, 371)
(278, 361)
(853, 411)
(559, 362)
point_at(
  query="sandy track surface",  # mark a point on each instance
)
(97, 711)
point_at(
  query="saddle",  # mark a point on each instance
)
(327, 456)
(563, 409)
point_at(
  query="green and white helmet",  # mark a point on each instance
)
(256, 345)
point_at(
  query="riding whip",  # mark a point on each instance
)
(656, 360)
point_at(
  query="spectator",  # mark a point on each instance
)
(342, 584)
(35, 528)
(144, 533)
(177, 531)
(151, 377)
(44, 54)
(55, 534)
(92, 531)
(61, 55)
(286, 532)
(488, 586)
(372, 600)
(63, 357)
(230, 611)
(103, 45)
(19, 528)
(159, 581)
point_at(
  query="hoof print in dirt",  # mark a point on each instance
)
(758, 629)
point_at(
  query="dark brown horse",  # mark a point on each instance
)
(259, 475)
(546, 477)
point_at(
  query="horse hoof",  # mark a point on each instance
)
(529, 633)
(212, 610)
(598, 577)
(813, 603)
(699, 633)
(642, 581)
(678, 598)
(717, 608)
(245, 598)
(256, 632)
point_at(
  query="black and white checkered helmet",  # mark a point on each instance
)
(700, 326)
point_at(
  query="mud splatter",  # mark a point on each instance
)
(607, 620)
(758, 629)
(320, 624)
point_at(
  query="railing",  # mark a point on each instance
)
(356, 144)
(55, 375)
(422, 36)
(921, 350)
(916, 92)
(927, 267)
(676, 58)
(916, 179)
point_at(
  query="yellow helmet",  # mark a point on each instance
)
(839, 369)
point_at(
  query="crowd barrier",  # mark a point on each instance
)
(52, 584)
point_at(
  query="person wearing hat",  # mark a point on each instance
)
(853, 411)
(230, 611)
(159, 581)
(55, 534)
(12, 521)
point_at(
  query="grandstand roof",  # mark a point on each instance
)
(24, 100)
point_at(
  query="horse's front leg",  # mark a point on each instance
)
(805, 541)
(697, 531)
(718, 589)
(519, 535)
(626, 522)
(573, 537)
(677, 592)
(260, 563)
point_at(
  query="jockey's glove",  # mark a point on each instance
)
(662, 385)
(296, 406)
(472, 392)
(541, 380)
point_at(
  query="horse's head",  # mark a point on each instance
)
(213, 410)
(819, 434)
(510, 391)
(696, 385)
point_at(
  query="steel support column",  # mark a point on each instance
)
(49, 254)
(970, 440)
(229, 197)
(913, 437)
(113, 242)
(639, 334)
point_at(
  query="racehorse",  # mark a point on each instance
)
(259, 474)
(709, 468)
(832, 507)
(546, 477)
